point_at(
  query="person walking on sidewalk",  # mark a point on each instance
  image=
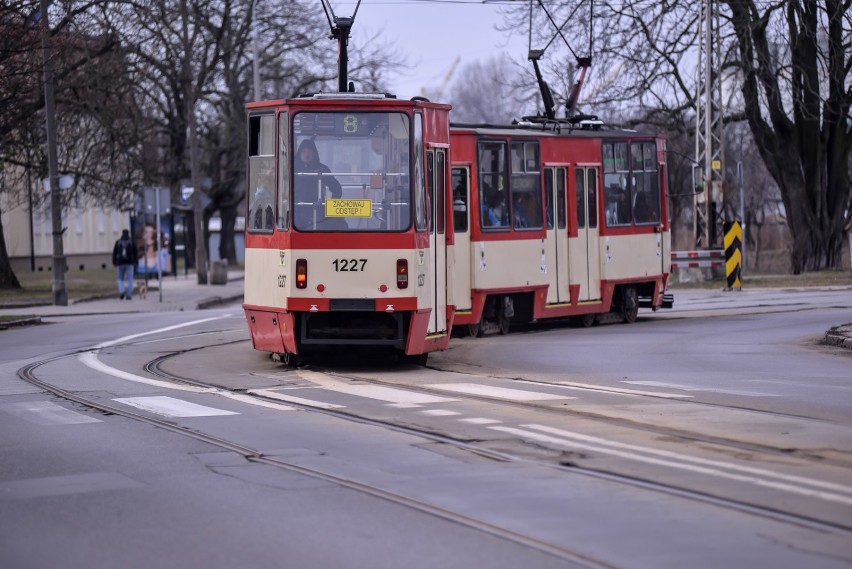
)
(124, 255)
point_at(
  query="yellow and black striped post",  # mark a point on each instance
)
(733, 253)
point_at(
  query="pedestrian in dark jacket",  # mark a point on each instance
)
(124, 256)
(313, 184)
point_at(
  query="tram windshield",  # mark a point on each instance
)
(351, 171)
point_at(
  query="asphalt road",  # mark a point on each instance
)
(713, 435)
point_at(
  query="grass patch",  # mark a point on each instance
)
(38, 286)
(766, 280)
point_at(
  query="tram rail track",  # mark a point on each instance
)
(155, 367)
(27, 373)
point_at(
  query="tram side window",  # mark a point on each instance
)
(261, 172)
(616, 184)
(493, 191)
(646, 184)
(283, 174)
(430, 187)
(592, 185)
(580, 190)
(441, 186)
(554, 177)
(548, 197)
(526, 186)
(561, 218)
(460, 199)
(420, 218)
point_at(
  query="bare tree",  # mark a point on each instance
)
(487, 92)
(797, 103)
(92, 104)
(129, 79)
(791, 61)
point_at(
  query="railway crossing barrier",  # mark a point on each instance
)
(730, 257)
(698, 259)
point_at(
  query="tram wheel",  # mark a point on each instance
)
(504, 323)
(589, 320)
(474, 330)
(287, 359)
(630, 305)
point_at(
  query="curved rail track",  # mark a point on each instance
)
(154, 366)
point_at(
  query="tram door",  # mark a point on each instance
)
(437, 179)
(557, 235)
(461, 235)
(585, 251)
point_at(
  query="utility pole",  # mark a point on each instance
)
(709, 133)
(255, 72)
(60, 292)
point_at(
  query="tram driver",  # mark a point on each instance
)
(313, 183)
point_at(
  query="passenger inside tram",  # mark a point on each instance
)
(496, 214)
(313, 184)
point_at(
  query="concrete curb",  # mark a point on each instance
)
(840, 336)
(22, 322)
(217, 300)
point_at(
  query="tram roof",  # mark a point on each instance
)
(555, 129)
(355, 98)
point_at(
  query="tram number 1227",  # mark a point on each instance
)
(342, 265)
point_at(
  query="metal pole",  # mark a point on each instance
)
(709, 219)
(742, 209)
(256, 74)
(60, 292)
(32, 218)
(159, 243)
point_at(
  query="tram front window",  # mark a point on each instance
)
(351, 171)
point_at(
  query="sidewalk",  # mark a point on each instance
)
(178, 293)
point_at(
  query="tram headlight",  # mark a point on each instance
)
(402, 273)
(301, 273)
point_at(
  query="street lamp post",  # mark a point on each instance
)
(60, 291)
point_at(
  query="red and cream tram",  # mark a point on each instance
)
(347, 236)
(554, 220)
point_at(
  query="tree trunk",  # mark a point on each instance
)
(806, 151)
(227, 247)
(8, 280)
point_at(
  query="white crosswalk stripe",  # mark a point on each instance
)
(497, 392)
(171, 407)
(274, 394)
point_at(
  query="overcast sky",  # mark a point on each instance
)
(432, 34)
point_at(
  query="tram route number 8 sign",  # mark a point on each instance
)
(348, 208)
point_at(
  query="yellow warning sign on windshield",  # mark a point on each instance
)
(348, 208)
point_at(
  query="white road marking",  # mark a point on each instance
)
(748, 474)
(620, 390)
(497, 392)
(47, 413)
(439, 412)
(171, 407)
(699, 388)
(480, 421)
(157, 331)
(379, 392)
(388, 394)
(404, 405)
(273, 394)
(90, 360)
